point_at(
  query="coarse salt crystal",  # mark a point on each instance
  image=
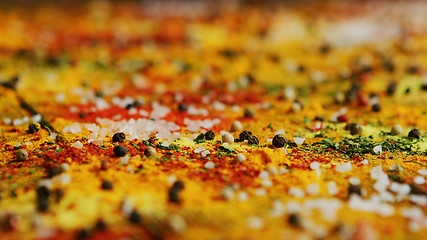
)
(313, 189)
(77, 144)
(255, 223)
(280, 132)
(354, 181)
(205, 153)
(422, 171)
(418, 199)
(377, 172)
(199, 150)
(165, 144)
(332, 188)
(365, 162)
(282, 170)
(36, 118)
(28, 143)
(260, 192)
(296, 192)
(7, 121)
(209, 165)
(130, 169)
(299, 140)
(344, 167)
(378, 149)
(266, 183)
(263, 175)
(125, 159)
(314, 165)
(243, 196)
(53, 136)
(414, 213)
(419, 180)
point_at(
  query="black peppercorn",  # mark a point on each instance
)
(354, 189)
(120, 151)
(245, 135)
(210, 135)
(183, 107)
(174, 191)
(355, 128)
(376, 107)
(391, 88)
(119, 137)
(414, 133)
(134, 217)
(294, 220)
(100, 225)
(279, 141)
(253, 140)
(43, 192)
(33, 128)
(107, 185)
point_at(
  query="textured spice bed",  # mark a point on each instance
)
(205, 120)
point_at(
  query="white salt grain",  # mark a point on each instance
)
(263, 175)
(299, 140)
(422, 171)
(378, 149)
(209, 165)
(313, 189)
(199, 150)
(419, 180)
(165, 144)
(205, 153)
(344, 167)
(296, 192)
(314, 165)
(77, 144)
(255, 223)
(354, 181)
(332, 188)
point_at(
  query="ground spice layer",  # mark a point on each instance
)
(147, 121)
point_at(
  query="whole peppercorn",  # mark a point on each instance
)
(53, 171)
(239, 158)
(319, 118)
(253, 140)
(42, 192)
(355, 128)
(210, 135)
(59, 194)
(228, 138)
(354, 189)
(279, 141)
(391, 88)
(33, 128)
(414, 133)
(82, 234)
(42, 205)
(174, 191)
(119, 137)
(107, 185)
(134, 217)
(149, 151)
(396, 130)
(100, 225)
(245, 135)
(182, 107)
(120, 151)
(236, 126)
(376, 107)
(249, 113)
(294, 220)
(21, 155)
(104, 165)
